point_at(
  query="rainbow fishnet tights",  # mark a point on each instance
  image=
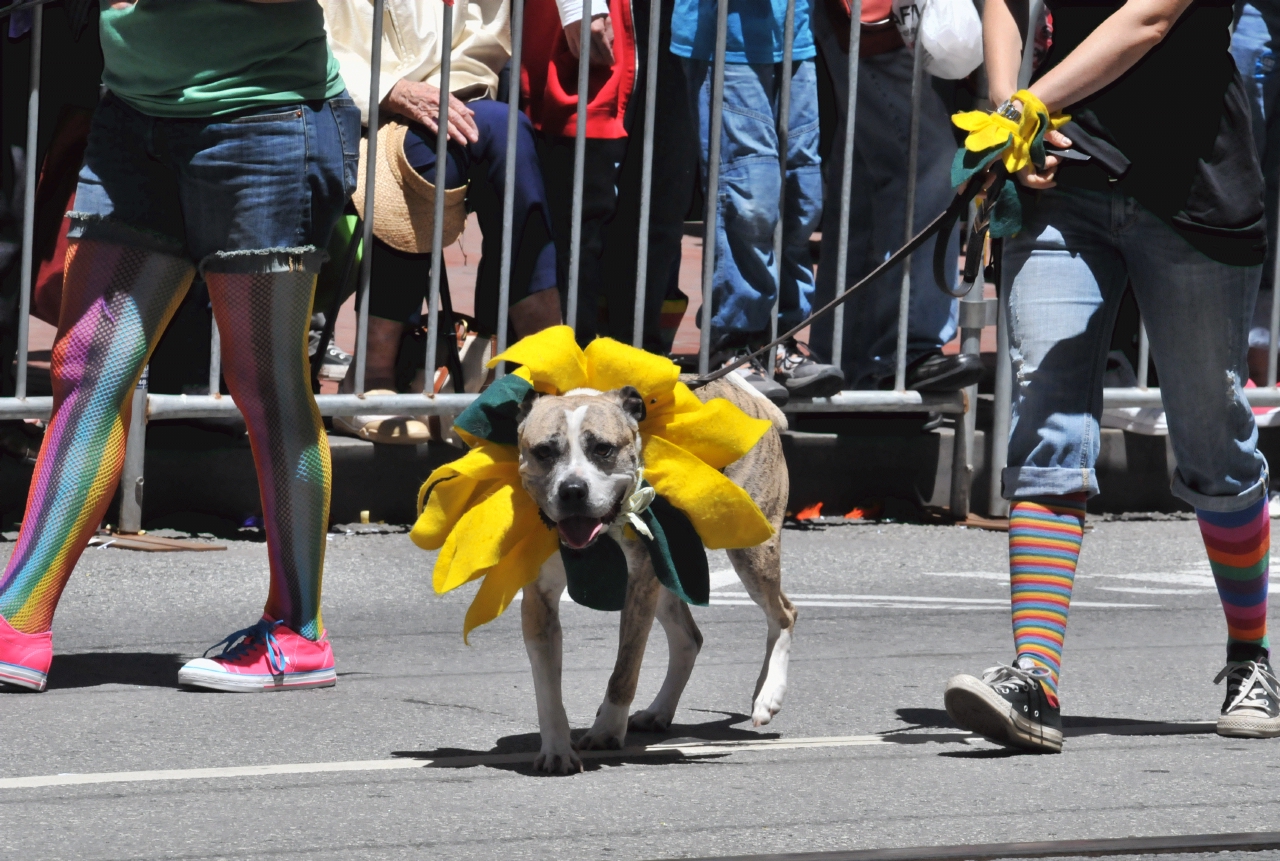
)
(116, 302)
(263, 318)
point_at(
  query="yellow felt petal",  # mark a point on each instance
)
(453, 488)
(476, 543)
(552, 357)
(612, 365)
(987, 138)
(717, 434)
(518, 568)
(970, 120)
(723, 514)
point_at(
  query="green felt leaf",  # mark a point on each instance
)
(597, 575)
(1006, 217)
(1037, 142)
(966, 163)
(495, 415)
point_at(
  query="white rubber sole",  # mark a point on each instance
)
(1248, 726)
(237, 683)
(976, 707)
(22, 677)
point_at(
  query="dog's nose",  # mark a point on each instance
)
(573, 491)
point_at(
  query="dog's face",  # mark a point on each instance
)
(579, 456)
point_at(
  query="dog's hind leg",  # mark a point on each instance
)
(684, 641)
(760, 569)
(610, 729)
(540, 619)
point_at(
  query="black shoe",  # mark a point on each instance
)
(335, 364)
(803, 375)
(1251, 709)
(1006, 706)
(934, 372)
(759, 378)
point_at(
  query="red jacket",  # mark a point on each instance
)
(549, 74)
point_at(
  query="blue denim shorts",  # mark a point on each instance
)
(258, 192)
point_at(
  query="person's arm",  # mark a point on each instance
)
(1108, 52)
(601, 29)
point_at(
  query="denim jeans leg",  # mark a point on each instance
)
(802, 212)
(1063, 280)
(882, 129)
(1197, 312)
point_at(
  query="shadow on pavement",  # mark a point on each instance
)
(1072, 725)
(515, 753)
(92, 669)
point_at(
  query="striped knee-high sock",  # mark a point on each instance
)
(1239, 547)
(1044, 546)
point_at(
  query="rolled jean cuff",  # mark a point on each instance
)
(1025, 482)
(304, 258)
(104, 228)
(1222, 504)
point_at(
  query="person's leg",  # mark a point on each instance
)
(1063, 278)
(258, 224)
(534, 302)
(126, 274)
(745, 281)
(1197, 313)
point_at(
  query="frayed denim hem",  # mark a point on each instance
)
(304, 258)
(1025, 482)
(104, 228)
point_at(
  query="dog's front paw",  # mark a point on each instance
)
(767, 704)
(558, 757)
(594, 740)
(649, 721)
(609, 730)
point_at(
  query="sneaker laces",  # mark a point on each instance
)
(1257, 682)
(1005, 679)
(248, 638)
(755, 365)
(793, 355)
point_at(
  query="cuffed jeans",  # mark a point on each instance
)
(1064, 276)
(746, 274)
(876, 211)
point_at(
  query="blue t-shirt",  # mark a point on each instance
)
(755, 30)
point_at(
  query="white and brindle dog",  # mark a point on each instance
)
(580, 456)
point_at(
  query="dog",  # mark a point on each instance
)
(580, 455)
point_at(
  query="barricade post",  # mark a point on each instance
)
(909, 219)
(437, 229)
(784, 130)
(646, 173)
(712, 208)
(509, 189)
(579, 166)
(846, 180)
(370, 183)
(30, 169)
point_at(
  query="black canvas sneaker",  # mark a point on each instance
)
(1006, 706)
(1251, 709)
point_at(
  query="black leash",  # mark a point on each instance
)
(943, 225)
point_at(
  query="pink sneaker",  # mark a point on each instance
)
(265, 657)
(24, 658)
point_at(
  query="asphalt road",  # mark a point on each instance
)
(862, 755)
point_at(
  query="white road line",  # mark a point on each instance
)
(683, 747)
(906, 601)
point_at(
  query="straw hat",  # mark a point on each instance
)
(404, 208)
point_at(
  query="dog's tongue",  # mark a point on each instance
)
(578, 532)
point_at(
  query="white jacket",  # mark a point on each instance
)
(411, 46)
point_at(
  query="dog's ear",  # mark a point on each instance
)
(530, 397)
(632, 402)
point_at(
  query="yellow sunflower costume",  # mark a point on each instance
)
(485, 525)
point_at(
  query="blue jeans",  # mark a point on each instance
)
(746, 275)
(1064, 276)
(398, 293)
(1253, 48)
(876, 213)
(254, 193)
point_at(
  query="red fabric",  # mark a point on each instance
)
(874, 11)
(549, 74)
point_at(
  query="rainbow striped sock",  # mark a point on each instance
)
(1239, 547)
(1044, 546)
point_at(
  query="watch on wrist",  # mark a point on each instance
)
(1009, 112)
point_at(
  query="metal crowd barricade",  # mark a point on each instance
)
(976, 313)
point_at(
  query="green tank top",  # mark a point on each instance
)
(205, 58)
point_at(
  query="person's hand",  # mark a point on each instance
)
(601, 40)
(1040, 179)
(420, 102)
